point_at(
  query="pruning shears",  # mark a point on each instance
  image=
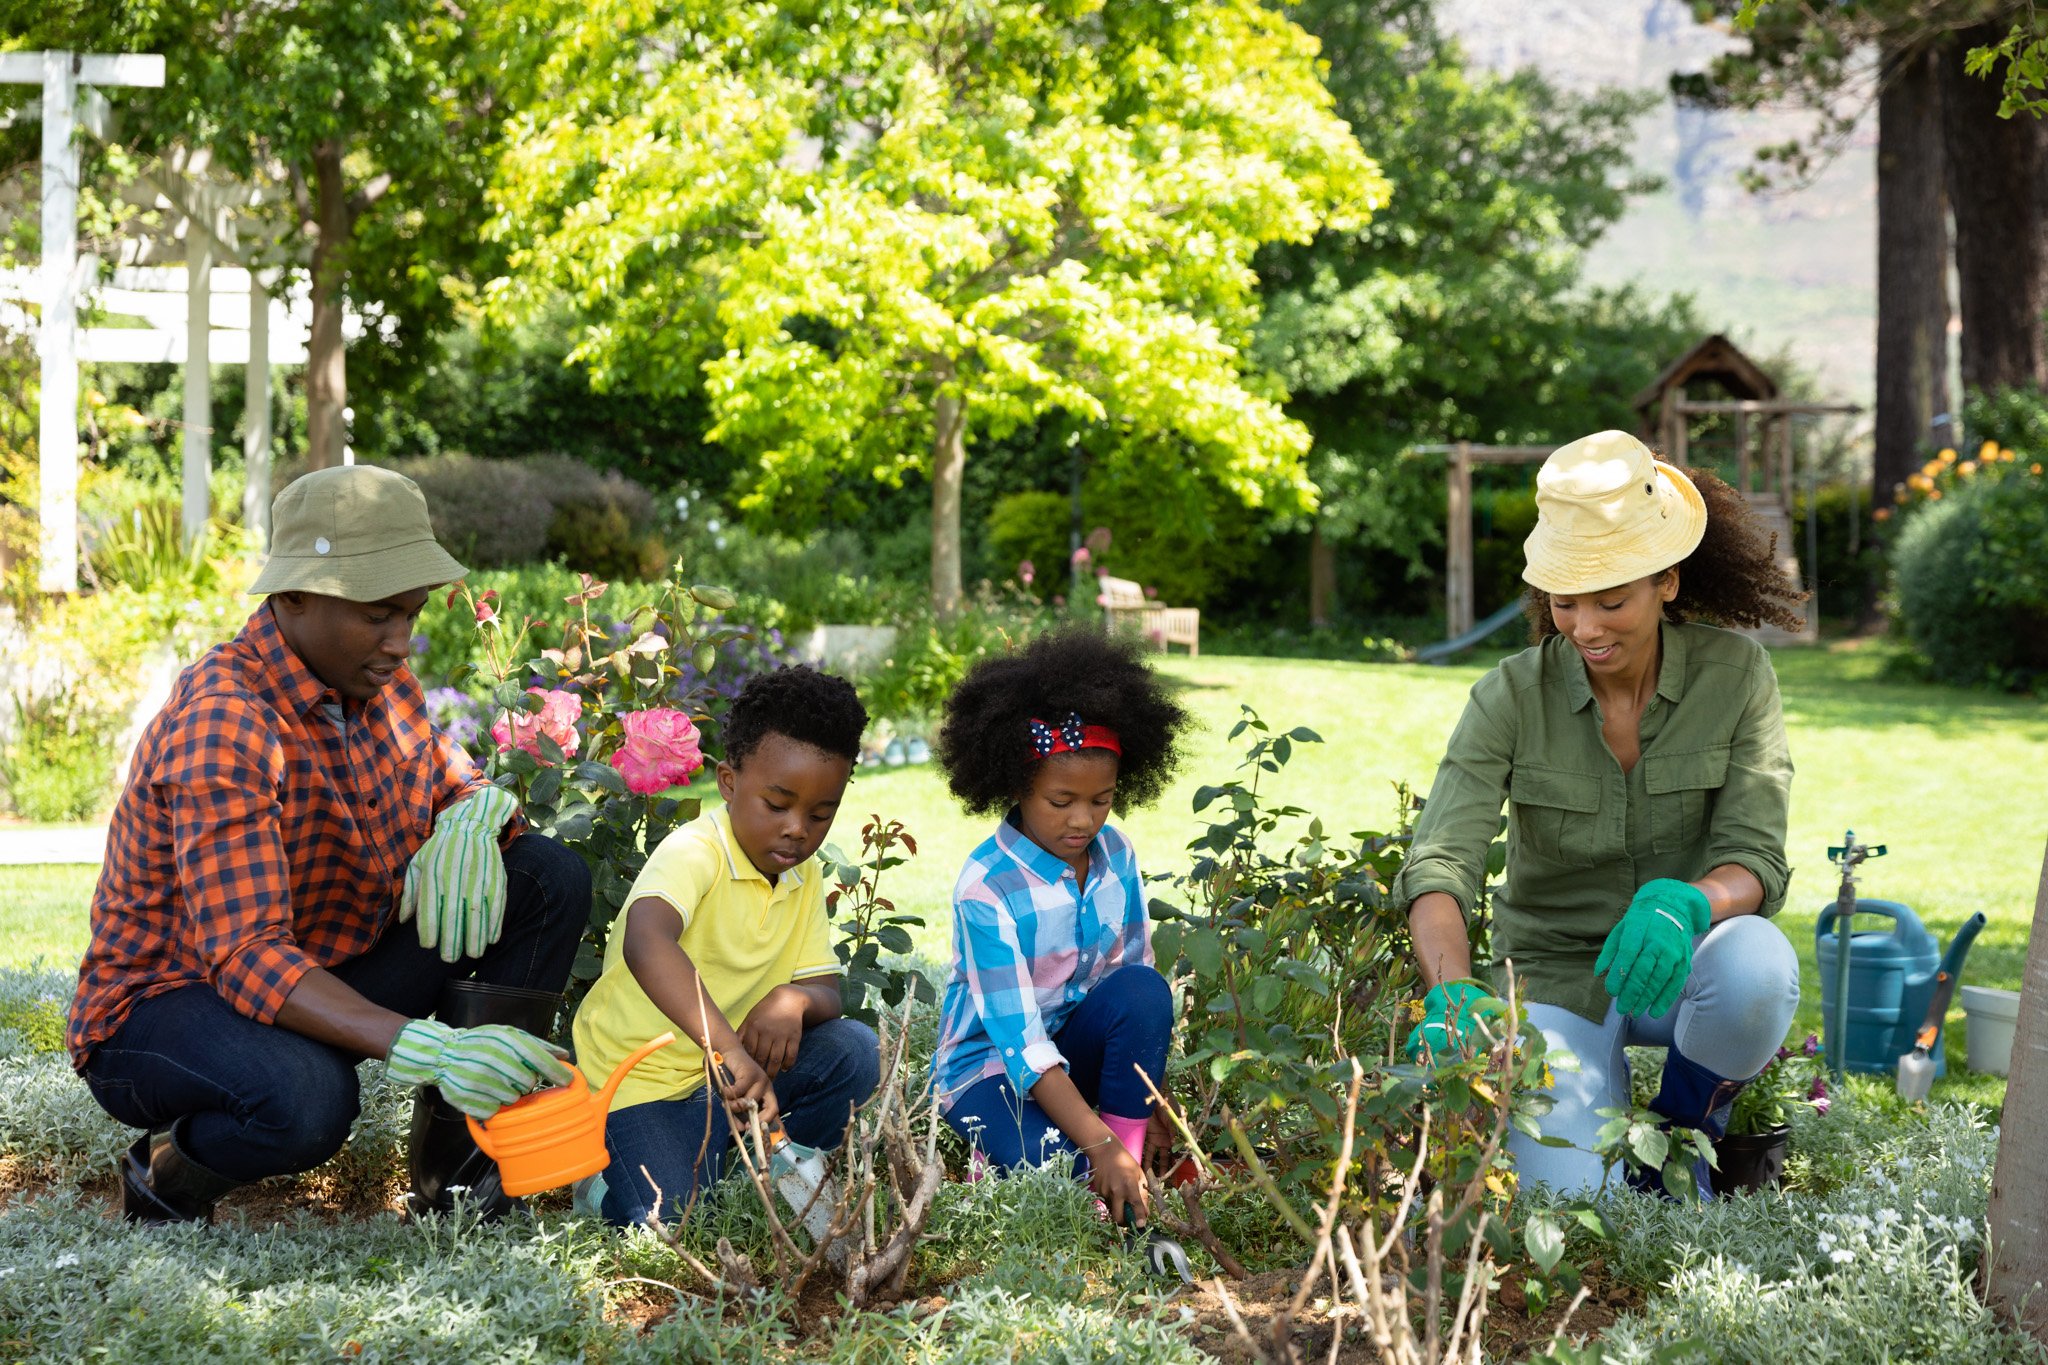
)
(1164, 1257)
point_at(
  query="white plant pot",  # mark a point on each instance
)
(1991, 1016)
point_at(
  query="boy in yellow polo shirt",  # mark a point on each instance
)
(724, 940)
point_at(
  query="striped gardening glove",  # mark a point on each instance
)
(456, 882)
(479, 1070)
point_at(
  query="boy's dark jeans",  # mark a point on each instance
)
(679, 1145)
(259, 1100)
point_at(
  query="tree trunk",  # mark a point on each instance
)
(1912, 269)
(326, 360)
(2001, 264)
(949, 467)
(1322, 576)
(2017, 1261)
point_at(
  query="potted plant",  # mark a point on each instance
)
(1751, 1155)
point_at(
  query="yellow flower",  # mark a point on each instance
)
(1415, 1011)
(1934, 496)
(1549, 1081)
(2007, 455)
(1883, 513)
(1921, 482)
(2034, 468)
(1968, 467)
(1899, 495)
(1946, 456)
(1988, 451)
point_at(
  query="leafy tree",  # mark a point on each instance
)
(373, 121)
(871, 232)
(1939, 132)
(1456, 313)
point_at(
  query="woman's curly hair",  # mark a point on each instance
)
(818, 709)
(985, 744)
(1732, 579)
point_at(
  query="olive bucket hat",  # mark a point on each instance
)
(355, 532)
(1607, 513)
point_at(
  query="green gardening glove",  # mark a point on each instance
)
(1450, 1013)
(1648, 956)
(456, 882)
(481, 1069)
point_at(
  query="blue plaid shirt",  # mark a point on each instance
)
(1028, 946)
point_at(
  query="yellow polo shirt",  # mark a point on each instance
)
(745, 934)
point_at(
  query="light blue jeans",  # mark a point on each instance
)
(1730, 1018)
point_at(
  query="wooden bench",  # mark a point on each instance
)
(1125, 606)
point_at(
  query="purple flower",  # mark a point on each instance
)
(1811, 1047)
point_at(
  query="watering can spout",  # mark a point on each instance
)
(1959, 946)
(639, 1055)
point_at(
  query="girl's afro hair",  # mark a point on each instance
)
(818, 709)
(985, 744)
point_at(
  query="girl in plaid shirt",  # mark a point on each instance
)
(1053, 1007)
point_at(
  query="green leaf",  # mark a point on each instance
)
(546, 786)
(714, 597)
(1204, 951)
(893, 939)
(1267, 993)
(1544, 1237)
(602, 775)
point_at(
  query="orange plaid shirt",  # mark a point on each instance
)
(256, 838)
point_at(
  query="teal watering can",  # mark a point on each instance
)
(1892, 974)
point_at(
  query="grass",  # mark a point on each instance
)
(1937, 773)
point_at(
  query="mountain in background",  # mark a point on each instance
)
(1791, 272)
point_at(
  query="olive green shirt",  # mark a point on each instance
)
(1710, 788)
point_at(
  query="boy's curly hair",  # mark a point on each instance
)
(985, 746)
(818, 709)
(1731, 579)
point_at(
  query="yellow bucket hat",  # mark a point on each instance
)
(355, 532)
(1607, 513)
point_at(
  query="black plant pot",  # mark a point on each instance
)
(1750, 1161)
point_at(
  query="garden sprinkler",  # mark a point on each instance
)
(1850, 856)
(1916, 1068)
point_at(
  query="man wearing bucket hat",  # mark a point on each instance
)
(301, 871)
(1642, 754)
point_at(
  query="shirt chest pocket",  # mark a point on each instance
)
(1681, 789)
(1557, 814)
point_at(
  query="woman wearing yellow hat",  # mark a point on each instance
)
(1642, 755)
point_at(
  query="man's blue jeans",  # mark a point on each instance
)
(1123, 1027)
(678, 1146)
(259, 1100)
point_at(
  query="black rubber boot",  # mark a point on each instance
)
(161, 1184)
(442, 1157)
(1690, 1096)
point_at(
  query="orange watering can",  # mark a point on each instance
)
(555, 1137)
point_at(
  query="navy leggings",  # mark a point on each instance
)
(1122, 1028)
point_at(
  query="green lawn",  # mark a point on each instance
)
(1938, 774)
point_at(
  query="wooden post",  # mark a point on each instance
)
(1458, 612)
(2016, 1262)
(1675, 453)
(198, 468)
(57, 337)
(1743, 468)
(60, 74)
(256, 416)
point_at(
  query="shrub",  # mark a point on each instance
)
(1033, 528)
(793, 585)
(932, 656)
(1971, 569)
(490, 514)
(59, 762)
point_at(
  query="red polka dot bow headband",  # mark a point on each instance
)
(1070, 736)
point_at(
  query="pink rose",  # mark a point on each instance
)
(1027, 571)
(661, 751)
(556, 719)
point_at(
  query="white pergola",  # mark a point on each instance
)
(204, 295)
